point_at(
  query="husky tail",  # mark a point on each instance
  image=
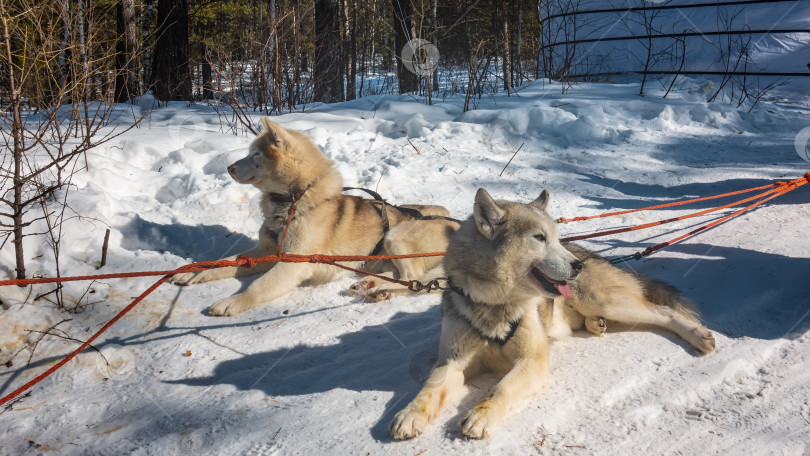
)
(663, 294)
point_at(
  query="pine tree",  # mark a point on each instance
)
(403, 32)
(327, 68)
(126, 72)
(170, 75)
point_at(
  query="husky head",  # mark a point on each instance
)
(280, 161)
(513, 247)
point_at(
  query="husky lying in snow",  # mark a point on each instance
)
(287, 167)
(512, 286)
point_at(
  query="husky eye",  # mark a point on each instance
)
(540, 237)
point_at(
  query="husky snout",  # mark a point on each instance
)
(560, 264)
(243, 171)
(237, 174)
(555, 270)
(576, 268)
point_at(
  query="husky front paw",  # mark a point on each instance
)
(360, 288)
(408, 424)
(378, 295)
(228, 307)
(596, 326)
(479, 421)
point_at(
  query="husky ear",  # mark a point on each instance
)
(541, 202)
(487, 213)
(274, 132)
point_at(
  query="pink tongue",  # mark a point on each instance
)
(564, 289)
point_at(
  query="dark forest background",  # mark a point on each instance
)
(270, 55)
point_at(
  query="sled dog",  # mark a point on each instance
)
(289, 169)
(512, 287)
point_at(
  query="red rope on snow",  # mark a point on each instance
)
(776, 189)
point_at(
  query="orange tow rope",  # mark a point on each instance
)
(776, 189)
(661, 206)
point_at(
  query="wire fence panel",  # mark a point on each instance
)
(601, 39)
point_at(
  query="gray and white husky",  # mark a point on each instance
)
(513, 287)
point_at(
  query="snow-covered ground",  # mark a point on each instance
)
(319, 372)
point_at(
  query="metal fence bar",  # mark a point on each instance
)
(663, 7)
(698, 72)
(671, 35)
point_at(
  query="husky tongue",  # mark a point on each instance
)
(564, 289)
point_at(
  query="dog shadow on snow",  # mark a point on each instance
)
(199, 243)
(393, 356)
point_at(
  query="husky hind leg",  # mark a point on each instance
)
(632, 309)
(596, 326)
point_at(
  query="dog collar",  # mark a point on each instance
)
(512, 328)
(456, 289)
(292, 197)
(281, 198)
